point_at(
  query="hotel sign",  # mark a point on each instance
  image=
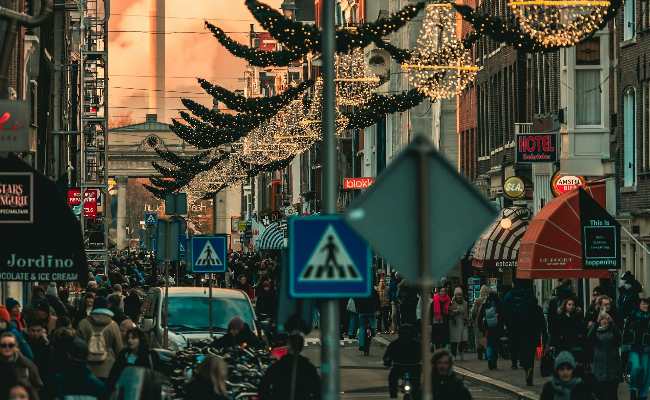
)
(536, 147)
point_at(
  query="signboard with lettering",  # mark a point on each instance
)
(90, 202)
(514, 188)
(357, 183)
(16, 198)
(561, 183)
(536, 147)
(601, 235)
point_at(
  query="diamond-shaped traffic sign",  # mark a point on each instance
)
(327, 259)
(387, 214)
(150, 218)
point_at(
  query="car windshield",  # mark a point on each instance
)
(191, 313)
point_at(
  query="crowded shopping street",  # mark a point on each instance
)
(324, 200)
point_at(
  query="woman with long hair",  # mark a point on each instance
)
(209, 382)
(136, 353)
(569, 330)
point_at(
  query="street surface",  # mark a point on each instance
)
(366, 378)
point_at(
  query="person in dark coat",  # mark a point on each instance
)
(292, 377)
(40, 345)
(239, 334)
(491, 324)
(637, 346)
(7, 326)
(136, 353)
(562, 292)
(266, 302)
(403, 355)
(11, 357)
(628, 297)
(85, 307)
(115, 305)
(444, 381)
(367, 308)
(526, 326)
(569, 330)
(408, 302)
(565, 385)
(209, 382)
(76, 379)
(605, 339)
(133, 305)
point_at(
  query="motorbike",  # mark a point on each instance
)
(408, 383)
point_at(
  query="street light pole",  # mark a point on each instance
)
(330, 308)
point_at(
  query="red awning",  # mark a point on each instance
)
(551, 247)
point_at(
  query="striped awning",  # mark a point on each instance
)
(272, 238)
(498, 246)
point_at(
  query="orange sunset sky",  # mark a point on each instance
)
(188, 55)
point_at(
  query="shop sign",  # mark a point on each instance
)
(357, 183)
(14, 126)
(536, 147)
(16, 197)
(91, 198)
(601, 235)
(561, 183)
(514, 188)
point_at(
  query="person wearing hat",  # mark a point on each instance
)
(7, 326)
(103, 337)
(76, 379)
(11, 356)
(565, 385)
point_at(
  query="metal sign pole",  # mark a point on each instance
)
(330, 308)
(425, 263)
(168, 251)
(210, 303)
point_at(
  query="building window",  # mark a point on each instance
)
(629, 139)
(645, 15)
(588, 92)
(629, 20)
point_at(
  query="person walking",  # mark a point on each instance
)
(605, 339)
(85, 307)
(569, 330)
(7, 326)
(491, 324)
(75, 378)
(11, 357)
(41, 348)
(458, 323)
(133, 305)
(367, 308)
(384, 305)
(136, 353)
(353, 318)
(394, 302)
(526, 326)
(440, 318)
(13, 306)
(444, 381)
(209, 382)
(408, 302)
(293, 377)
(480, 340)
(565, 385)
(103, 337)
(635, 338)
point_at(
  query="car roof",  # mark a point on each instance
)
(217, 293)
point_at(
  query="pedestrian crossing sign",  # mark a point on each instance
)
(209, 254)
(327, 259)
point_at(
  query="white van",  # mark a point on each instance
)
(188, 314)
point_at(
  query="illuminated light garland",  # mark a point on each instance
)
(312, 122)
(306, 38)
(243, 104)
(559, 23)
(440, 66)
(354, 81)
(378, 106)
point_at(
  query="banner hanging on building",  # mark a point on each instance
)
(536, 147)
(601, 235)
(14, 126)
(16, 197)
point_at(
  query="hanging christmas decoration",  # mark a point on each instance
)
(312, 122)
(440, 66)
(289, 128)
(379, 105)
(559, 23)
(354, 81)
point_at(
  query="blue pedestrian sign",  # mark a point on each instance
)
(209, 254)
(150, 218)
(182, 242)
(327, 259)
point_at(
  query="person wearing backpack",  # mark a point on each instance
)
(492, 327)
(103, 337)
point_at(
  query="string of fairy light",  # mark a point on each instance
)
(264, 134)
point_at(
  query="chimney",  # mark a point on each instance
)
(151, 118)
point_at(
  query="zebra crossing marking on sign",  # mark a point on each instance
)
(208, 253)
(327, 259)
(330, 261)
(208, 256)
